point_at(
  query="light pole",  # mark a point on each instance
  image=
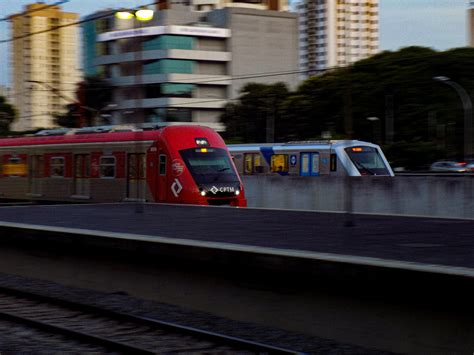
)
(377, 131)
(141, 15)
(467, 106)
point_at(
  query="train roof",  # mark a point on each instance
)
(298, 145)
(97, 134)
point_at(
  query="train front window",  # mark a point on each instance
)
(209, 165)
(367, 160)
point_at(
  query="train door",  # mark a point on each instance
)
(162, 179)
(309, 164)
(35, 174)
(81, 175)
(136, 176)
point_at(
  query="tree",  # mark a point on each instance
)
(397, 87)
(92, 95)
(71, 119)
(7, 116)
(258, 115)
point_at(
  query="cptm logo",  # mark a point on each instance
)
(176, 187)
(215, 189)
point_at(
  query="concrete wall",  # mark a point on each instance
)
(424, 196)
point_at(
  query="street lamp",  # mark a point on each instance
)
(141, 15)
(467, 106)
(377, 131)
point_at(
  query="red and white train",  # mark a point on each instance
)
(173, 164)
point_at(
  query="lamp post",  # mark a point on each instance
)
(467, 106)
(141, 15)
(377, 132)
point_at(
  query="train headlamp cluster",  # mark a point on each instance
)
(203, 193)
(202, 142)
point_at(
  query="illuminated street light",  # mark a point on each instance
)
(124, 15)
(144, 14)
(467, 106)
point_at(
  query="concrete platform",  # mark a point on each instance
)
(413, 243)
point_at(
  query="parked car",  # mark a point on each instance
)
(449, 167)
(470, 165)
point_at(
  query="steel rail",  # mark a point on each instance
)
(89, 338)
(218, 338)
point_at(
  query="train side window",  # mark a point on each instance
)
(279, 163)
(258, 164)
(314, 164)
(107, 167)
(248, 164)
(253, 164)
(14, 167)
(162, 164)
(333, 162)
(57, 167)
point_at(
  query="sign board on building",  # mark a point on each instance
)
(160, 30)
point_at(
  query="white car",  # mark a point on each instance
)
(449, 167)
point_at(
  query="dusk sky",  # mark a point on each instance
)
(440, 24)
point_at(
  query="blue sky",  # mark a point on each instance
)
(440, 24)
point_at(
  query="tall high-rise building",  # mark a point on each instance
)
(470, 23)
(336, 33)
(44, 59)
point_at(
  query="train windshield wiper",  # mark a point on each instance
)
(363, 167)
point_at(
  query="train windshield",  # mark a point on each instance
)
(367, 160)
(209, 165)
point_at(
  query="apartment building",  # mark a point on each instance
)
(208, 5)
(336, 33)
(470, 23)
(184, 66)
(44, 61)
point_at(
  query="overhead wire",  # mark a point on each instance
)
(55, 28)
(45, 7)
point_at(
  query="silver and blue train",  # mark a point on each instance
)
(311, 158)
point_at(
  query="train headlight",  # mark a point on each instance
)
(237, 192)
(203, 193)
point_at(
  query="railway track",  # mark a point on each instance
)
(119, 332)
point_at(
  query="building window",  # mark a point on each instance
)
(169, 66)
